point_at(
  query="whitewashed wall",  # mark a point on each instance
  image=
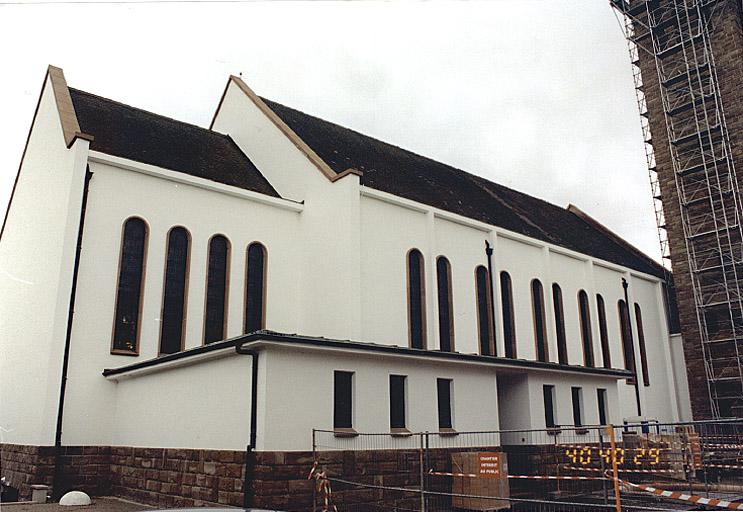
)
(327, 240)
(117, 194)
(204, 406)
(37, 252)
(679, 374)
(294, 405)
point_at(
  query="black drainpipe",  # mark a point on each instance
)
(247, 487)
(625, 285)
(489, 252)
(57, 482)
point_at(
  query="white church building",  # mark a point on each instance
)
(181, 306)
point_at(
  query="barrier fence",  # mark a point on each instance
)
(647, 466)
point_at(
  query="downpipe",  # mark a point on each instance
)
(247, 489)
(625, 285)
(489, 253)
(57, 478)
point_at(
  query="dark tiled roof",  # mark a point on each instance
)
(129, 132)
(394, 170)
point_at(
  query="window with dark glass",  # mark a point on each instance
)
(577, 406)
(643, 350)
(603, 416)
(446, 313)
(548, 393)
(215, 314)
(509, 322)
(540, 330)
(484, 312)
(397, 401)
(129, 289)
(586, 335)
(562, 343)
(255, 289)
(416, 300)
(173, 316)
(443, 389)
(342, 399)
(627, 343)
(603, 332)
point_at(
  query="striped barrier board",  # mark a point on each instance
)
(691, 498)
(520, 477)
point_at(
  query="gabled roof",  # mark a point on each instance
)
(128, 132)
(405, 174)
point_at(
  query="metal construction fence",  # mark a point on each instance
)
(647, 466)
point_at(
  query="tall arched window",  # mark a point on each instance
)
(641, 340)
(215, 311)
(484, 312)
(603, 332)
(416, 300)
(540, 330)
(627, 344)
(255, 288)
(446, 310)
(129, 288)
(586, 335)
(562, 343)
(509, 322)
(173, 317)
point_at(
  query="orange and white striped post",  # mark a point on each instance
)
(614, 469)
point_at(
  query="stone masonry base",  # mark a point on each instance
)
(167, 477)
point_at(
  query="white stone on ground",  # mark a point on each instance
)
(74, 498)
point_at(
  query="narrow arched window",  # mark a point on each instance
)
(255, 288)
(215, 311)
(540, 330)
(586, 335)
(603, 332)
(509, 322)
(446, 311)
(626, 331)
(416, 300)
(173, 316)
(484, 312)
(562, 344)
(641, 340)
(129, 288)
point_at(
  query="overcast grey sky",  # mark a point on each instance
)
(536, 95)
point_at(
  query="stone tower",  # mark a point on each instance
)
(687, 58)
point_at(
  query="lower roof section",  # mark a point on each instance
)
(261, 340)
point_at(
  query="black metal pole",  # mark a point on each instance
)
(625, 285)
(57, 478)
(489, 252)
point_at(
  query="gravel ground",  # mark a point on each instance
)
(98, 505)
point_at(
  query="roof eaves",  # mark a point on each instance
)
(616, 238)
(243, 342)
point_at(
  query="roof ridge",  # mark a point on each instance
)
(149, 112)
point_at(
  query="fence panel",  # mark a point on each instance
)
(558, 469)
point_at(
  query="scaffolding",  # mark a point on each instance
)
(675, 36)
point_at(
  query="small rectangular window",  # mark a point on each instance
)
(443, 387)
(601, 395)
(577, 406)
(342, 399)
(397, 401)
(549, 405)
